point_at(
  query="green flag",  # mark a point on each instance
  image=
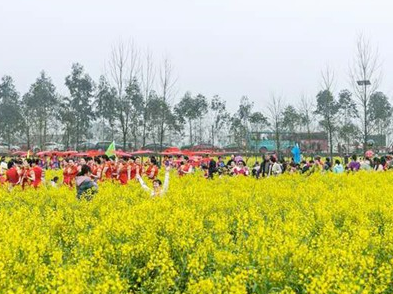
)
(111, 150)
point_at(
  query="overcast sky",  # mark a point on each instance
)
(225, 47)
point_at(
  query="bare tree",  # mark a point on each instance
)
(306, 109)
(123, 67)
(365, 76)
(167, 85)
(275, 109)
(147, 79)
(327, 78)
(327, 107)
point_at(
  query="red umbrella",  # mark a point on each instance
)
(69, 153)
(94, 153)
(122, 154)
(81, 154)
(203, 152)
(195, 158)
(187, 152)
(48, 153)
(19, 153)
(138, 152)
(172, 151)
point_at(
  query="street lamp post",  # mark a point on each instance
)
(365, 83)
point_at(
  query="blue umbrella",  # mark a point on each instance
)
(296, 154)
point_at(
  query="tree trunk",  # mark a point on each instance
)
(28, 136)
(365, 119)
(309, 136)
(212, 135)
(331, 143)
(190, 125)
(162, 133)
(77, 134)
(124, 140)
(200, 129)
(40, 134)
(277, 131)
(45, 129)
(9, 140)
(144, 128)
(103, 129)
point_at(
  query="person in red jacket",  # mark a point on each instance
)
(152, 168)
(92, 164)
(133, 168)
(185, 168)
(123, 171)
(107, 168)
(13, 173)
(69, 172)
(96, 169)
(36, 174)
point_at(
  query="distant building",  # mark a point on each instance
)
(315, 142)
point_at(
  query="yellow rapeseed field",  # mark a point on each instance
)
(290, 234)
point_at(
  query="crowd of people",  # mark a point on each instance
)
(87, 172)
(84, 173)
(270, 166)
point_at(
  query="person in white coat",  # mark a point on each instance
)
(158, 188)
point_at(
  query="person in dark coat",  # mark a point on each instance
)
(212, 168)
(265, 167)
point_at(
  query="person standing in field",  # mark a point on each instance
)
(265, 167)
(232, 159)
(185, 168)
(37, 175)
(327, 166)
(152, 168)
(354, 165)
(107, 168)
(69, 173)
(241, 169)
(212, 169)
(123, 171)
(338, 167)
(378, 166)
(275, 167)
(13, 174)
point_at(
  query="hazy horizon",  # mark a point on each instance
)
(227, 48)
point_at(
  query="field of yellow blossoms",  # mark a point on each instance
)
(290, 234)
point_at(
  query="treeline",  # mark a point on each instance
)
(136, 103)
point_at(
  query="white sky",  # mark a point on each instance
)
(226, 47)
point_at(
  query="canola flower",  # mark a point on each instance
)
(290, 234)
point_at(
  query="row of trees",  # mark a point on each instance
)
(134, 103)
